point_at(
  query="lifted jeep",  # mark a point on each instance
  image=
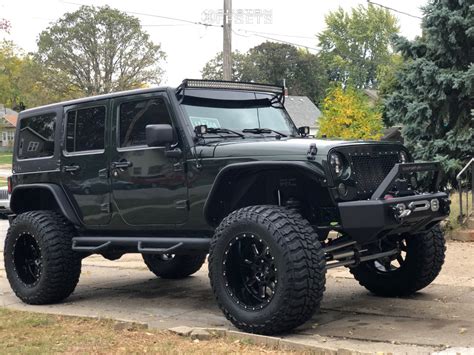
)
(217, 168)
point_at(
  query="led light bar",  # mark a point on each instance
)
(232, 85)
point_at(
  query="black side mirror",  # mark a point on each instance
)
(159, 135)
(304, 131)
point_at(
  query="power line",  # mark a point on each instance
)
(274, 39)
(394, 10)
(279, 35)
(156, 16)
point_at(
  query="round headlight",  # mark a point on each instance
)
(337, 163)
(402, 157)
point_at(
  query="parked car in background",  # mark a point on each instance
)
(4, 202)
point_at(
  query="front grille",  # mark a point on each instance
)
(371, 170)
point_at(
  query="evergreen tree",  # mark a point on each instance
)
(434, 93)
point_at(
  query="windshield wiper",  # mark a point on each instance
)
(262, 131)
(224, 130)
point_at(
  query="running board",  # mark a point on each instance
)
(143, 245)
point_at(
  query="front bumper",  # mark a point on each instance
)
(368, 220)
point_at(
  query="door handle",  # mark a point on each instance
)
(123, 164)
(71, 168)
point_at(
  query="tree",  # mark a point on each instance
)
(354, 45)
(213, 68)
(99, 50)
(10, 68)
(347, 114)
(272, 62)
(25, 83)
(5, 25)
(435, 88)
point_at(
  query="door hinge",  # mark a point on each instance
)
(105, 207)
(182, 204)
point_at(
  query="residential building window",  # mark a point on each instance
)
(85, 129)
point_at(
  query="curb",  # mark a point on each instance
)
(275, 343)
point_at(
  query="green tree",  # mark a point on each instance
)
(355, 44)
(26, 83)
(213, 68)
(272, 62)
(99, 50)
(435, 89)
(347, 114)
(10, 69)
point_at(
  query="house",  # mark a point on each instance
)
(8, 119)
(303, 112)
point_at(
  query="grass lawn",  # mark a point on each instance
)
(35, 333)
(5, 158)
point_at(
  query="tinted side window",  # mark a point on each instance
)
(85, 129)
(36, 137)
(134, 116)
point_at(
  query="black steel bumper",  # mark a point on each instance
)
(367, 220)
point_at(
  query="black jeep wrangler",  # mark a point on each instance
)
(217, 168)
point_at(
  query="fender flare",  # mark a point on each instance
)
(311, 170)
(59, 195)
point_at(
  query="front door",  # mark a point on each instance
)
(84, 161)
(148, 187)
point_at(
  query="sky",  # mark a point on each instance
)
(189, 46)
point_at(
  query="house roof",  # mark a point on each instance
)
(9, 115)
(302, 111)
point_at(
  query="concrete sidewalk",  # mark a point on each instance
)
(441, 316)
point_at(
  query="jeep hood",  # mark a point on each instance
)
(273, 147)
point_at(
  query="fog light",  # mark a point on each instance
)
(434, 205)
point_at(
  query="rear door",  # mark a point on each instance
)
(84, 160)
(149, 188)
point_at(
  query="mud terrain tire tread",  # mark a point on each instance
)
(61, 265)
(179, 267)
(305, 264)
(426, 253)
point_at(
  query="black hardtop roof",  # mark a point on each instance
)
(97, 98)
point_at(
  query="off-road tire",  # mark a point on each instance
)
(424, 258)
(178, 267)
(298, 256)
(60, 265)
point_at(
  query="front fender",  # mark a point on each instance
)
(237, 170)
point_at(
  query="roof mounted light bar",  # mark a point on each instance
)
(279, 91)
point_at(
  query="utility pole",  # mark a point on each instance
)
(227, 51)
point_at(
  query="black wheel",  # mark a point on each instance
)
(171, 266)
(415, 267)
(267, 269)
(40, 264)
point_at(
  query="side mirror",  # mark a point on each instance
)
(304, 131)
(159, 135)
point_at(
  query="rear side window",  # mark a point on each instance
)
(85, 129)
(36, 137)
(134, 116)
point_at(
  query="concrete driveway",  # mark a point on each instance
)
(440, 316)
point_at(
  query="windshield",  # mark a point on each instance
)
(225, 115)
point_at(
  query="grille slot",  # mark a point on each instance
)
(371, 170)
